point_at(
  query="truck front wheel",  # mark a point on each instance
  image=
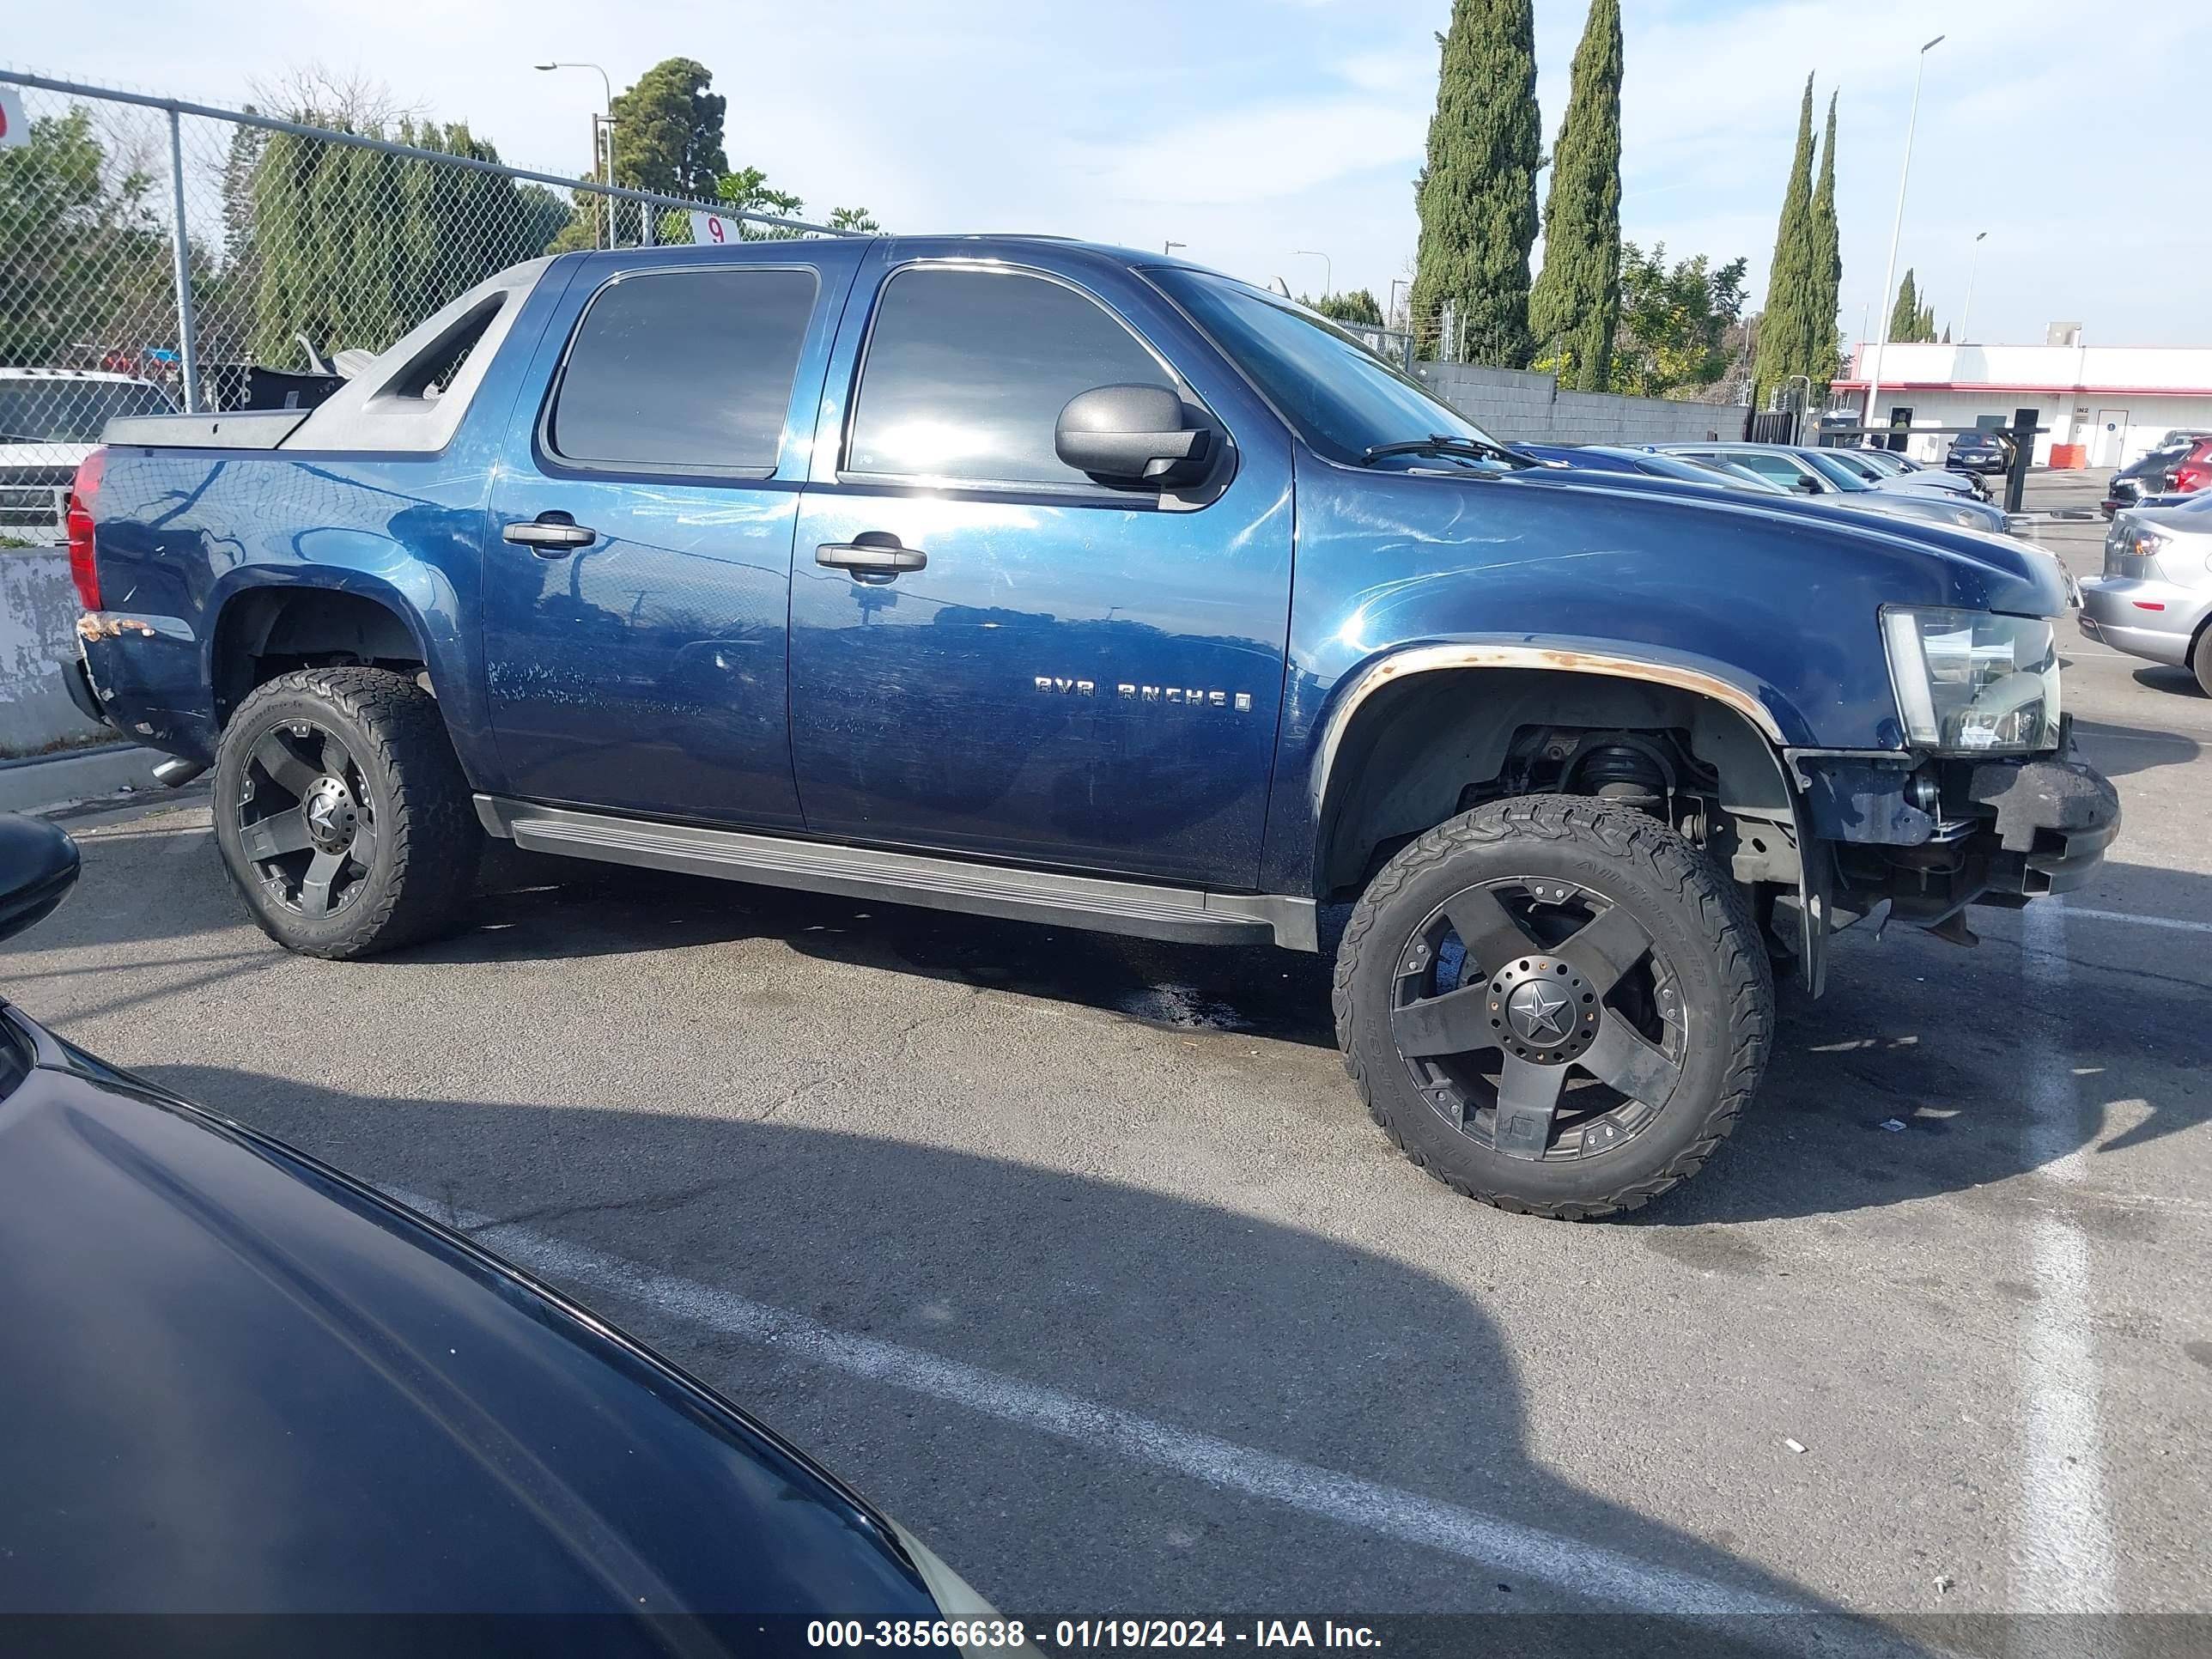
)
(343, 818)
(1554, 1005)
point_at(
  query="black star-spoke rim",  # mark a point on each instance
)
(305, 820)
(1539, 1019)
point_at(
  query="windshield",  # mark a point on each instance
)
(44, 411)
(1833, 469)
(1881, 460)
(1341, 397)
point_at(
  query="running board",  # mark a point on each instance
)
(1098, 904)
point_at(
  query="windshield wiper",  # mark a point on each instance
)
(1442, 443)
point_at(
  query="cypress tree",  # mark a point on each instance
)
(1829, 261)
(1575, 306)
(1905, 314)
(1477, 195)
(1785, 326)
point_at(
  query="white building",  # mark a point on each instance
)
(2104, 405)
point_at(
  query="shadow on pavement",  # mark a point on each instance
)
(2164, 677)
(1210, 1322)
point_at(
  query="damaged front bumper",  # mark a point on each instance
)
(1918, 839)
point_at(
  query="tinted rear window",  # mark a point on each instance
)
(684, 371)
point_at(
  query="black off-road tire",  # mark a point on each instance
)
(421, 873)
(1682, 901)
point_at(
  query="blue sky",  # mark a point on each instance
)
(1251, 128)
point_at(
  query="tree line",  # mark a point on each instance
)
(1601, 314)
(342, 245)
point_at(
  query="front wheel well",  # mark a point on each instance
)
(271, 631)
(1436, 744)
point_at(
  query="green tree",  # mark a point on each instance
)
(1675, 322)
(84, 264)
(1911, 318)
(355, 246)
(1358, 307)
(1575, 306)
(1477, 194)
(1788, 329)
(1827, 287)
(668, 131)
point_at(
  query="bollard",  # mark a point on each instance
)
(2022, 432)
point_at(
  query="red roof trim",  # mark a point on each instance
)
(2056, 391)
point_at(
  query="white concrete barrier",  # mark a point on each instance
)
(37, 618)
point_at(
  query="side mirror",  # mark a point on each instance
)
(38, 866)
(1811, 486)
(1132, 434)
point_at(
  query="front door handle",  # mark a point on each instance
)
(874, 550)
(550, 535)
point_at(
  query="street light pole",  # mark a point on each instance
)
(1973, 268)
(1327, 270)
(1896, 232)
(1171, 246)
(607, 119)
(1397, 282)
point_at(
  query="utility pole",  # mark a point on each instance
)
(1973, 269)
(1896, 231)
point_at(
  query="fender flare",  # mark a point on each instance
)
(1605, 660)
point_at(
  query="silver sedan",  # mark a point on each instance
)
(1816, 472)
(2154, 598)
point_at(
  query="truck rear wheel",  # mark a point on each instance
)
(343, 819)
(1554, 1005)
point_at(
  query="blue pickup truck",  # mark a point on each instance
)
(1023, 577)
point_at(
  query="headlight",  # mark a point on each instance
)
(1971, 521)
(1969, 682)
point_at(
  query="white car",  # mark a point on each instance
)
(50, 420)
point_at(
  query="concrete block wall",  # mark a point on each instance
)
(1515, 404)
(38, 622)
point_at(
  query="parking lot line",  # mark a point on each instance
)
(2062, 1559)
(1588, 1571)
(2146, 921)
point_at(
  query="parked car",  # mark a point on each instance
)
(2155, 597)
(259, 1388)
(1981, 453)
(1019, 576)
(1899, 465)
(2175, 469)
(1881, 475)
(1652, 462)
(50, 421)
(1818, 473)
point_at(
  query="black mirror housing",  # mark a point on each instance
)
(1132, 434)
(37, 867)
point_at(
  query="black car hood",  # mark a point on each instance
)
(240, 1383)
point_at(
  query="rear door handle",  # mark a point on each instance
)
(550, 535)
(875, 550)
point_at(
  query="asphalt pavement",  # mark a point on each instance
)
(1080, 1256)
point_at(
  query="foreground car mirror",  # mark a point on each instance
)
(1810, 486)
(1132, 434)
(38, 866)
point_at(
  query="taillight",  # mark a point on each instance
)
(2190, 477)
(84, 571)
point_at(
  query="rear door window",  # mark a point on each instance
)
(967, 371)
(683, 371)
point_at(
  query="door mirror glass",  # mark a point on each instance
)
(1130, 434)
(38, 866)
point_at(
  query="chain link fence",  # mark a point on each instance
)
(158, 256)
